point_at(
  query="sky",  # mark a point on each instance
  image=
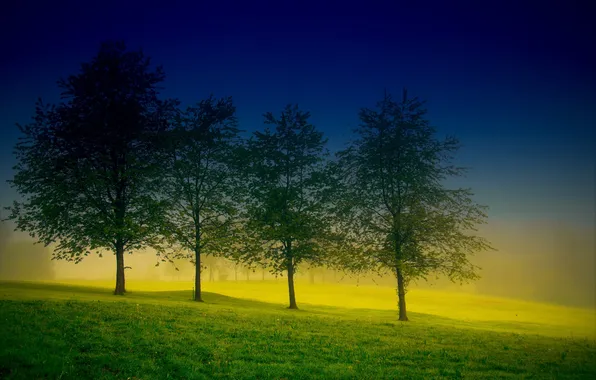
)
(513, 80)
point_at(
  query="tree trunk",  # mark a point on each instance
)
(120, 286)
(401, 295)
(263, 275)
(197, 297)
(291, 278)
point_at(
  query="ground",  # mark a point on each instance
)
(244, 331)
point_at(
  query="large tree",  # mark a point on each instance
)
(399, 214)
(88, 168)
(288, 194)
(202, 187)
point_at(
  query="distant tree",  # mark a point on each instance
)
(236, 271)
(288, 194)
(264, 267)
(202, 189)
(223, 270)
(88, 168)
(212, 264)
(312, 272)
(399, 215)
(171, 268)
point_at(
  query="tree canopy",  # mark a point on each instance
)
(202, 187)
(400, 215)
(88, 167)
(288, 193)
(114, 167)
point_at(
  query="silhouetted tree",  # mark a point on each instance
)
(288, 193)
(88, 168)
(398, 212)
(203, 181)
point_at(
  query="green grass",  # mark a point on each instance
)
(243, 331)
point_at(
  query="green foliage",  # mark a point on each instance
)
(288, 195)
(397, 213)
(88, 168)
(288, 191)
(202, 186)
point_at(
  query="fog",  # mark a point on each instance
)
(540, 261)
(544, 261)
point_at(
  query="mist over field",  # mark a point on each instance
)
(450, 144)
(535, 261)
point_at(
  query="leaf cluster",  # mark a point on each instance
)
(288, 191)
(87, 167)
(397, 209)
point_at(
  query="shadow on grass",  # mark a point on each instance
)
(41, 290)
(208, 298)
(54, 287)
(183, 298)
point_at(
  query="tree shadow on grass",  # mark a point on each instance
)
(46, 288)
(175, 298)
(40, 290)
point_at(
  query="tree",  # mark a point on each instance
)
(211, 263)
(203, 181)
(288, 194)
(398, 213)
(88, 168)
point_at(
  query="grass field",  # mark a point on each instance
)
(243, 331)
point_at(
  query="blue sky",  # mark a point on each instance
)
(513, 80)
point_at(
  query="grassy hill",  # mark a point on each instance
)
(243, 331)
